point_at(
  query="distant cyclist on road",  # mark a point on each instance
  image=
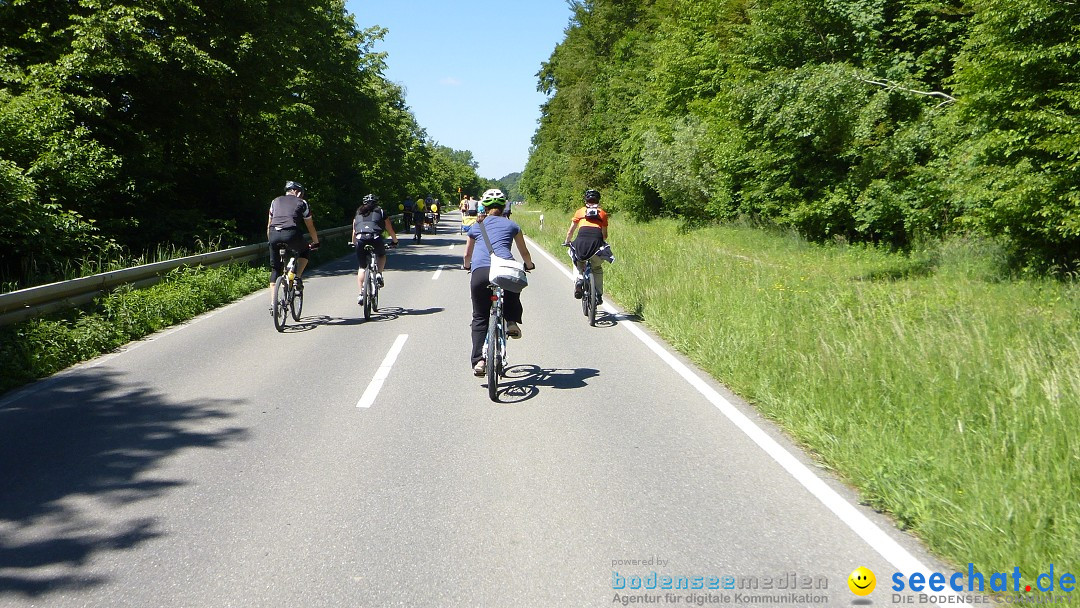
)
(368, 226)
(287, 212)
(591, 243)
(502, 233)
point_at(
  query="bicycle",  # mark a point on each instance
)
(369, 296)
(287, 298)
(496, 334)
(588, 289)
(496, 356)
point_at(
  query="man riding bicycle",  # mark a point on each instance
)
(287, 212)
(590, 244)
(368, 226)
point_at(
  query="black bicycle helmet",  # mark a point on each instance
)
(371, 198)
(592, 196)
(291, 185)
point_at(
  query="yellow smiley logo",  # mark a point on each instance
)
(861, 581)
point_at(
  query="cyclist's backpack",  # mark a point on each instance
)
(367, 226)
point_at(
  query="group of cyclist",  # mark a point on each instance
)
(289, 211)
(419, 213)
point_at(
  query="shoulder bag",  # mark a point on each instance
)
(508, 274)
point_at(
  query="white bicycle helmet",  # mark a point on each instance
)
(494, 194)
(492, 198)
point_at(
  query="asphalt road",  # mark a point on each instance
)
(222, 463)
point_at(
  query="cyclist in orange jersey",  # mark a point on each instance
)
(591, 223)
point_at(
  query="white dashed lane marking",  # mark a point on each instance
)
(381, 374)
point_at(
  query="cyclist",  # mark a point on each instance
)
(407, 213)
(502, 233)
(287, 212)
(368, 226)
(591, 242)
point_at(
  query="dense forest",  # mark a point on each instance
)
(885, 121)
(511, 185)
(132, 123)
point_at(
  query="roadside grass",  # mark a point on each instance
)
(946, 392)
(115, 258)
(40, 347)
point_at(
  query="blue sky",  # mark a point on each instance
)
(469, 69)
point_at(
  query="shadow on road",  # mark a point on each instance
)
(387, 313)
(83, 443)
(522, 382)
(606, 319)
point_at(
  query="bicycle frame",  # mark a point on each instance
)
(588, 289)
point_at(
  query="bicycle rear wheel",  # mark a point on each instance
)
(281, 303)
(585, 294)
(296, 304)
(494, 358)
(369, 290)
(591, 286)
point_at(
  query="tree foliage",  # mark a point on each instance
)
(137, 122)
(871, 120)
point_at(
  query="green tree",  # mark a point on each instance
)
(1015, 168)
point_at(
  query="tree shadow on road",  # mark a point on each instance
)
(522, 382)
(80, 444)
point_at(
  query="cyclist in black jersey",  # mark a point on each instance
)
(287, 212)
(368, 226)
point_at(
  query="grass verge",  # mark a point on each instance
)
(40, 347)
(948, 396)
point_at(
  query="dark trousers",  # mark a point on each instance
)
(481, 308)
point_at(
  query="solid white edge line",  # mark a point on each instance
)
(373, 388)
(874, 536)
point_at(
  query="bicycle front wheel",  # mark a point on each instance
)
(296, 304)
(494, 358)
(373, 286)
(281, 303)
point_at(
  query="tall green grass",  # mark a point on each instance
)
(113, 258)
(947, 393)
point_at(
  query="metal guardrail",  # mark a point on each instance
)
(27, 303)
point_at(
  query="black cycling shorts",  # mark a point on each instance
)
(297, 247)
(362, 253)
